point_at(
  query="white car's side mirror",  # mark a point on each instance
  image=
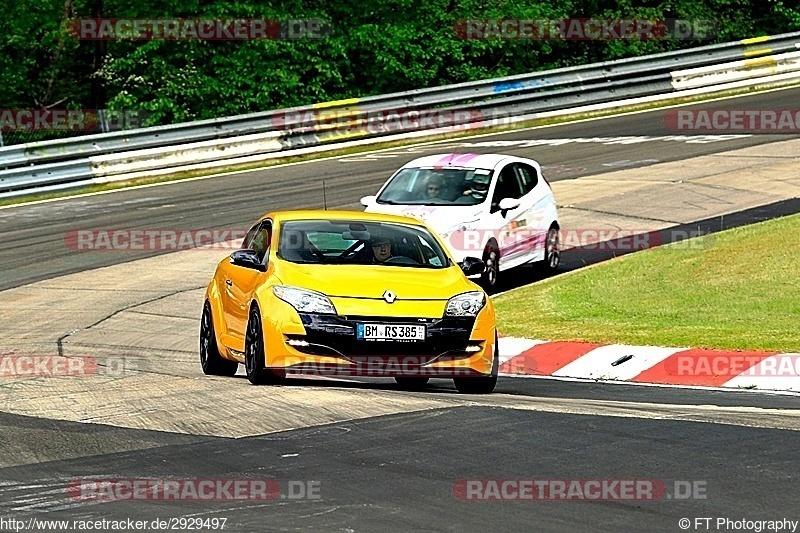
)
(507, 204)
(368, 200)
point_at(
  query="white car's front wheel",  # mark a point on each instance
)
(491, 256)
(552, 250)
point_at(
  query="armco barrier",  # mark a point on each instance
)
(450, 94)
(736, 70)
(25, 178)
(80, 160)
(173, 156)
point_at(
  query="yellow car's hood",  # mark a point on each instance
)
(371, 281)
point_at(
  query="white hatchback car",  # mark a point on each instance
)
(496, 207)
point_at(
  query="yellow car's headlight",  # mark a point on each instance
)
(467, 304)
(305, 301)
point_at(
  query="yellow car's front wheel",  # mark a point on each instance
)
(482, 384)
(254, 355)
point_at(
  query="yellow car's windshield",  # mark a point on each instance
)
(362, 243)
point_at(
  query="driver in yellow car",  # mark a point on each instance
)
(382, 249)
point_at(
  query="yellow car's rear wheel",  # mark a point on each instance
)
(211, 361)
(254, 355)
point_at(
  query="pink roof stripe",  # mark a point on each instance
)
(464, 159)
(454, 160)
(444, 160)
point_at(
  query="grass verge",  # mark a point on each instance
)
(734, 290)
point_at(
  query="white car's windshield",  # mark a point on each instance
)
(426, 186)
(364, 243)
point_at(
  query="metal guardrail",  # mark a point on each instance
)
(54, 173)
(744, 69)
(58, 162)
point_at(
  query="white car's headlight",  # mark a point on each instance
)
(467, 304)
(305, 301)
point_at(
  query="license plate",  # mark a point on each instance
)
(390, 332)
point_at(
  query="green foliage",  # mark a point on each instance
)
(376, 46)
(789, 16)
(40, 65)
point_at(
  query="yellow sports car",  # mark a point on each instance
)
(348, 293)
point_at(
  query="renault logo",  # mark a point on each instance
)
(389, 296)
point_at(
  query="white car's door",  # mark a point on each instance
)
(503, 223)
(537, 203)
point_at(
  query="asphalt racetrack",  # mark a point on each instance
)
(361, 454)
(32, 241)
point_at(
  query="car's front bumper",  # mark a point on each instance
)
(328, 344)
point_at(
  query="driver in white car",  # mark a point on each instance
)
(478, 188)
